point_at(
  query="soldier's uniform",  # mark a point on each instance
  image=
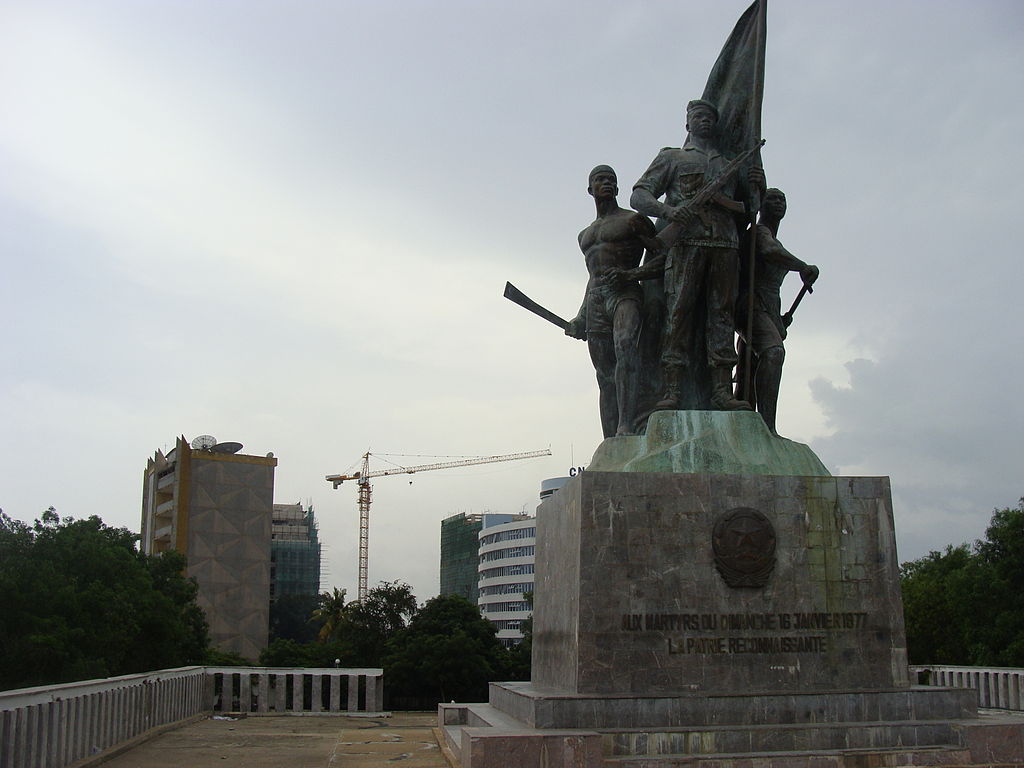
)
(705, 262)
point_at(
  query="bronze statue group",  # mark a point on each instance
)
(666, 302)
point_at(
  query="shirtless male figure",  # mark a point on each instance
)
(609, 318)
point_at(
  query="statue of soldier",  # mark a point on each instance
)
(772, 262)
(701, 270)
(610, 317)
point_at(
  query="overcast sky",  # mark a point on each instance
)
(288, 224)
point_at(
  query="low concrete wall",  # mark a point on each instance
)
(56, 725)
(997, 687)
(295, 691)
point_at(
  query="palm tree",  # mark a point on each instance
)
(333, 612)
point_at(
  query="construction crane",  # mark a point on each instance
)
(363, 476)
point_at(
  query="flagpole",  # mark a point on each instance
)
(758, 95)
(748, 393)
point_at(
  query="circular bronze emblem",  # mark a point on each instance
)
(744, 545)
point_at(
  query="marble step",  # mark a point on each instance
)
(731, 739)
(898, 757)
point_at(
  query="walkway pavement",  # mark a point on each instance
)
(405, 739)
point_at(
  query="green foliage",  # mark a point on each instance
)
(966, 605)
(331, 615)
(445, 650)
(288, 653)
(363, 627)
(78, 601)
(215, 657)
(373, 621)
(292, 618)
(448, 652)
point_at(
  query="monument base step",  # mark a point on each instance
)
(952, 757)
(542, 708)
(819, 737)
(482, 736)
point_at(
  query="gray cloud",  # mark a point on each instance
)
(289, 225)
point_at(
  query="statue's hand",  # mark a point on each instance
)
(680, 213)
(787, 320)
(577, 329)
(618, 277)
(756, 177)
(809, 274)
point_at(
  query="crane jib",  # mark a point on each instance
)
(364, 475)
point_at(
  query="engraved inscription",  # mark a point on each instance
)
(775, 629)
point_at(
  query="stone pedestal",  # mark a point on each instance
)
(702, 616)
(633, 592)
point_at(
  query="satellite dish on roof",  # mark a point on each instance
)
(227, 447)
(204, 442)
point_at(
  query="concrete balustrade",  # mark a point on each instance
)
(287, 690)
(997, 687)
(57, 725)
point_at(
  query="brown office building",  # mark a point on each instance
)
(215, 506)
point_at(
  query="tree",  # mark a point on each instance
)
(966, 605)
(292, 618)
(374, 620)
(940, 608)
(77, 601)
(332, 614)
(448, 652)
(1002, 553)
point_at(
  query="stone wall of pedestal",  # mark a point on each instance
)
(655, 583)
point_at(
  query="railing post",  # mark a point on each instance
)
(316, 693)
(60, 731)
(263, 698)
(335, 703)
(244, 692)
(353, 693)
(280, 693)
(374, 693)
(7, 739)
(297, 684)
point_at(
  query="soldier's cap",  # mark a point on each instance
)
(601, 169)
(701, 103)
(774, 192)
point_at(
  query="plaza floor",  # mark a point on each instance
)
(404, 739)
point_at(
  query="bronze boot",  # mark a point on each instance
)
(721, 392)
(673, 393)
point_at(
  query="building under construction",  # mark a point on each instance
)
(294, 552)
(460, 547)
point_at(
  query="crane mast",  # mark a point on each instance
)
(365, 492)
(362, 479)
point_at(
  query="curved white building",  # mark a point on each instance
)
(506, 572)
(506, 559)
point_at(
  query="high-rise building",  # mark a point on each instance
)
(506, 558)
(459, 556)
(214, 506)
(294, 552)
(507, 544)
